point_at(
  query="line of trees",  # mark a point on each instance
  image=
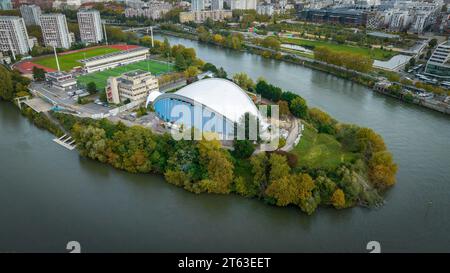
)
(353, 61)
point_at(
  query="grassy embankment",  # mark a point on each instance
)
(374, 53)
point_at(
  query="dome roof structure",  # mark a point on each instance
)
(220, 95)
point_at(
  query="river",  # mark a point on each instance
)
(49, 195)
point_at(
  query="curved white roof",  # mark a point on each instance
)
(220, 95)
(152, 96)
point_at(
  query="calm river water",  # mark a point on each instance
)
(49, 195)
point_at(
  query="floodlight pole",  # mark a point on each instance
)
(151, 31)
(56, 58)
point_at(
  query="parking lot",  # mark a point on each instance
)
(68, 100)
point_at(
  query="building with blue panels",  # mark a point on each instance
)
(212, 105)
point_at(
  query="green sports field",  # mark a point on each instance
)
(69, 61)
(100, 78)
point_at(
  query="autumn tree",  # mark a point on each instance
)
(338, 199)
(243, 80)
(382, 170)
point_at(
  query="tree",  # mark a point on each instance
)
(271, 42)
(338, 199)
(91, 88)
(6, 87)
(278, 167)
(191, 72)
(38, 73)
(382, 170)
(283, 108)
(432, 43)
(221, 73)
(299, 107)
(284, 190)
(243, 80)
(243, 148)
(180, 62)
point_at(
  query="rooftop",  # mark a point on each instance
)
(118, 53)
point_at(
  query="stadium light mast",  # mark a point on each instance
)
(104, 30)
(151, 31)
(56, 58)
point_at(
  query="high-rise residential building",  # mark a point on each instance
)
(90, 25)
(55, 31)
(31, 14)
(243, 4)
(217, 5)
(13, 35)
(197, 5)
(5, 4)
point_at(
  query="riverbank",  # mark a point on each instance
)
(341, 72)
(94, 200)
(91, 135)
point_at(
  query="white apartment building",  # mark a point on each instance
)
(90, 25)
(55, 31)
(197, 5)
(265, 9)
(202, 16)
(217, 5)
(243, 4)
(152, 10)
(31, 14)
(13, 35)
(134, 85)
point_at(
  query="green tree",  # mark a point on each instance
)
(243, 80)
(6, 88)
(243, 148)
(38, 73)
(91, 88)
(299, 107)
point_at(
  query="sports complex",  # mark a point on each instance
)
(99, 63)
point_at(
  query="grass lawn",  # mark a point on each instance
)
(374, 53)
(69, 61)
(101, 77)
(320, 151)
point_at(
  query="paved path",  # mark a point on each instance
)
(293, 134)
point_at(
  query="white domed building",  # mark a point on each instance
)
(213, 104)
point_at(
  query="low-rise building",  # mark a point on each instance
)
(134, 86)
(119, 58)
(61, 80)
(201, 16)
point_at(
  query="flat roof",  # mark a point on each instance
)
(383, 35)
(394, 63)
(112, 54)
